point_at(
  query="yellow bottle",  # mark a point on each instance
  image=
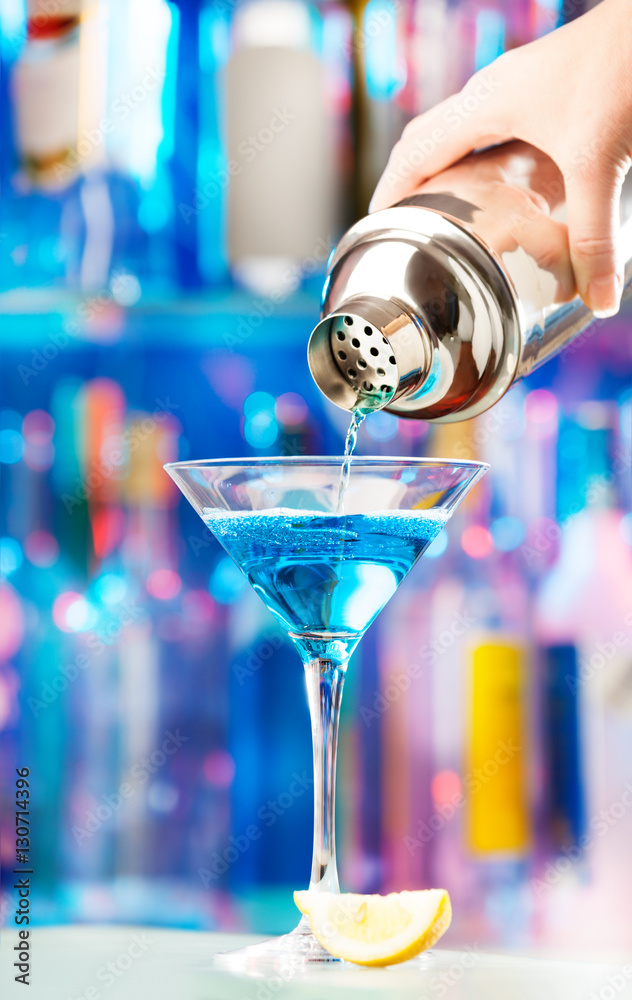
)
(496, 780)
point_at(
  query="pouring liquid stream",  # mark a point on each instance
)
(350, 443)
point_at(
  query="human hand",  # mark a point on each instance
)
(570, 95)
(513, 190)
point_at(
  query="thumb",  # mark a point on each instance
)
(430, 143)
(592, 199)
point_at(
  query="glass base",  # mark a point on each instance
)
(282, 956)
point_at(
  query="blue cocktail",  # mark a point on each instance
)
(325, 562)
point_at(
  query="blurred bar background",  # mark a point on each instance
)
(173, 176)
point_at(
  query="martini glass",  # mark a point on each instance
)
(325, 570)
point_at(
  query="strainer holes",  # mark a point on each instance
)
(342, 355)
(340, 335)
(348, 321)
(352, 374)
(374, 352)
(368, 331)
(391, 360)
(368, 386)
(361, 363)
(386, 388)
(385, 341)
(380, 371)
(355, 342)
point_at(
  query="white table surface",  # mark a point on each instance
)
(71, 963)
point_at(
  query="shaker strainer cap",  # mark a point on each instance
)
(366, 355)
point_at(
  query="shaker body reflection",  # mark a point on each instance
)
(434, 307)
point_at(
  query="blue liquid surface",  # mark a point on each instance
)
(325, 576)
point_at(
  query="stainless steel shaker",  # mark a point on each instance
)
(434, 307)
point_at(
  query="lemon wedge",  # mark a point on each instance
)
(377, 930)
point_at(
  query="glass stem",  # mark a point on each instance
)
(324, 680)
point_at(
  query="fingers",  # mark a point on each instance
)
(592, 199)
(435, 140)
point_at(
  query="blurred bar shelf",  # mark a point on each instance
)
(228, 318)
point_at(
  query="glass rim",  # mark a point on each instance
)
(325, 460)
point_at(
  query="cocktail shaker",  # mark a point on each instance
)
(433, 308)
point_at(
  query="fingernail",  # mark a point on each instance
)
(604, 295)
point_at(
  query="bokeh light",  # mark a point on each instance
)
(41, 549)
(445, 787)
(219, 768)
(81, 616)
(438, 546)
(164, 584)
(39, 457)
(476, 542)
(382, 426)
(291, 409)
(10, 555)
(60, 608)
(540, 406)
(9, 687)
(261, 427)
(11, 446)
(73, 613)
(541, 411)
(507, 533)
(261, 431)
(111, 588)
(227, 582)
(198, 607)
(38, 428)
(258, 402)
(126, 290)
(414, 430)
